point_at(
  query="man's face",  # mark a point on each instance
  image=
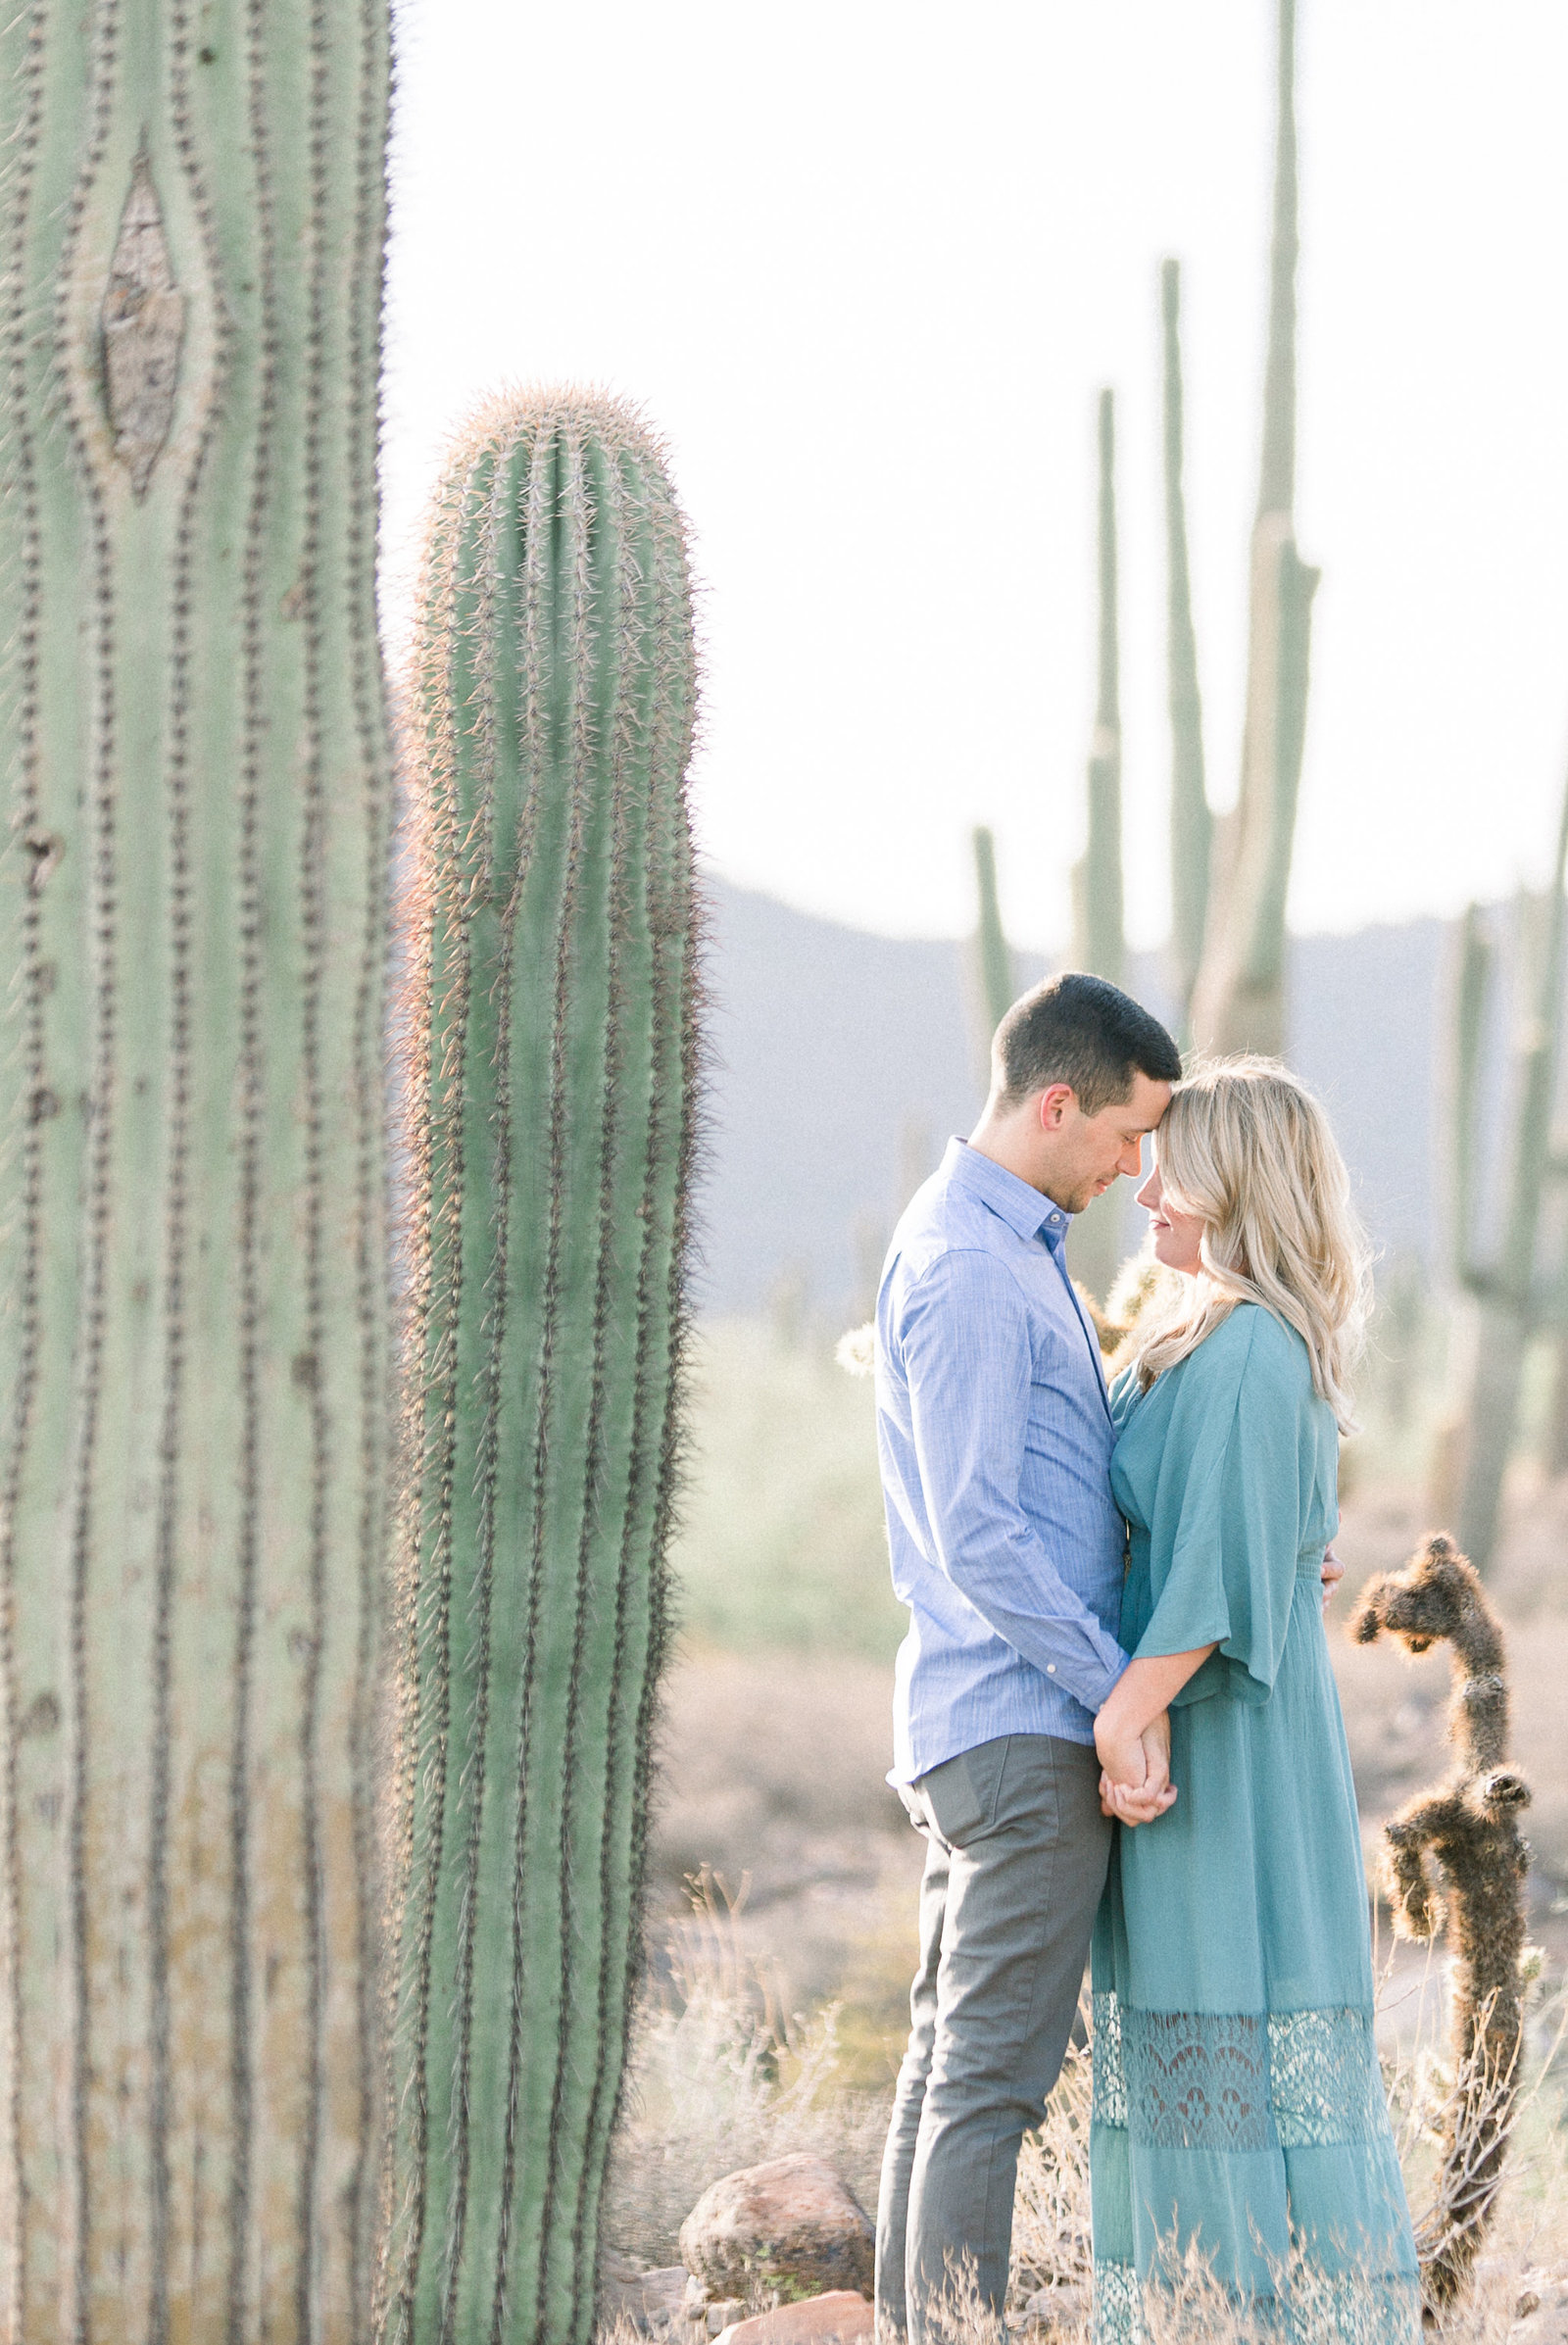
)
(1088, 1151)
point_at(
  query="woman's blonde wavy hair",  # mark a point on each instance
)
(1247, 1148)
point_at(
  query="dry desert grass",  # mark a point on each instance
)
(780, 2029)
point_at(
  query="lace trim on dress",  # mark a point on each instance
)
(1119, 2303)
(1110, 2107)
(1324, 2080)
(1237, 2080)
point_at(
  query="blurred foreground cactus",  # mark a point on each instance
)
(1469, 1825)
(552, 1078)
(192, 1252)
(1512, 1294)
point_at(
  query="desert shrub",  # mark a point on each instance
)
(723, 2078)
(781, 1540)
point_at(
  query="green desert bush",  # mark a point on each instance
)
(781, 1541)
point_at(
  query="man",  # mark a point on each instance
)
(995, 1438)
(994, 1431)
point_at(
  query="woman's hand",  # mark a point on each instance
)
(1135, 1784)
(1132, 1734)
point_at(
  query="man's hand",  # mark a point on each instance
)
(1332, 1573)
(1135, 1784)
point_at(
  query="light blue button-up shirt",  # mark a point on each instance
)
(995, 1436)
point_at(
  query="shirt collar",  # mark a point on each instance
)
(1012, 1200)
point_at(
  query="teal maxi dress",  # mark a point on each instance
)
(1237, 2103)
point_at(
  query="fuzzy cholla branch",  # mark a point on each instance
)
(1456, 1859)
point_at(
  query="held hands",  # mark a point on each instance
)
(1135, 1784)
(1132, 1734)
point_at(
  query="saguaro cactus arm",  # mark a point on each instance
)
(1472, 984)
(551, 1106)
(1539, 1051)
(1192, 825)
(992, 956)
(1097, 940)
(1512, 1299)
(1099, 943)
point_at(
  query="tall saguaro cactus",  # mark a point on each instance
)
(1098, 940)
(1239, 998)
(552, 1095)
(192, 1250)
(992, 956)
(1099, 943)
(1510, 1297)
(1192, 825)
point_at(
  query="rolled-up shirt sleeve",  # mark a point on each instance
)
(964, 1337)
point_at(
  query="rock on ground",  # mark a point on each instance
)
(1058, 2312)
(1543, 2307)
(789, 2224)
(840, 2317)
(653, 2302)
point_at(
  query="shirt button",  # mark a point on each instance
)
(1051, 1669)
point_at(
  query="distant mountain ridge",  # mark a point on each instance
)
(843, 1062)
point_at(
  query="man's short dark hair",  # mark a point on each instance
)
(1083, 1031)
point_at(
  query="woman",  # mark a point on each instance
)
(1238, 2108)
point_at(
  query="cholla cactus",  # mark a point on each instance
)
(552, 1108)
(1469, 1828)
(1143, 1291)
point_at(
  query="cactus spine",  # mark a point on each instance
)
(992, 953)
(1239, 998)
(1512, 1299)
(552, 1102)
(192, 895)
(1192, 825)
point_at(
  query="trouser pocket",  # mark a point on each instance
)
(960, 1797)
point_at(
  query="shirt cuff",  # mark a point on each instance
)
(1113, 1679)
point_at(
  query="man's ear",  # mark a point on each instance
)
(1055, 1102)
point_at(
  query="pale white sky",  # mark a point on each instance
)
(868, 262)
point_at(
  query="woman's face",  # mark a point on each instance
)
(1177, 1235)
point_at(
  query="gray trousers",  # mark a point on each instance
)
(1016, 1852)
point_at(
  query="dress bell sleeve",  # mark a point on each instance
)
(1226, 1525)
